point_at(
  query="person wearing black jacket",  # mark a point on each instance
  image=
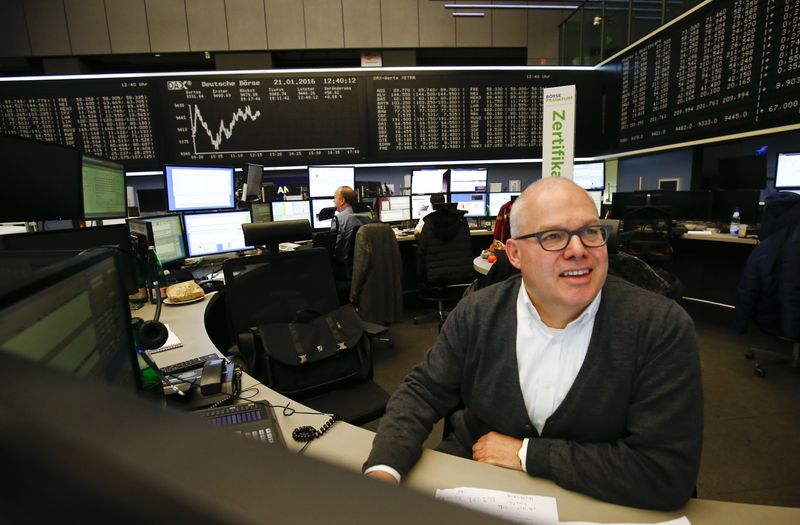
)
(444, 251)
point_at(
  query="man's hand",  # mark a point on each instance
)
(497, 449)
(383, 476)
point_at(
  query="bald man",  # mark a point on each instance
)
(563, 371)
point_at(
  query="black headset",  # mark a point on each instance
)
(151, 334)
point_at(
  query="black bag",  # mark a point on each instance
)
(313, 354)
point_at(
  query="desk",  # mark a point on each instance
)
(719, 237)
(348, 446)
(481, 265)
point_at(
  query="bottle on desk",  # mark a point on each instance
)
(155, 276)
(736, 220)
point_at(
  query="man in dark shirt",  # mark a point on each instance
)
(565, 372)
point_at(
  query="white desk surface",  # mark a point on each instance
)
(719, 237)
(348, 446)
(481, 265)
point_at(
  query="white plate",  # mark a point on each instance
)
(179, 303)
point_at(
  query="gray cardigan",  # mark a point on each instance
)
(629, 430)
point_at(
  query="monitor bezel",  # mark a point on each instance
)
(169, 191)
(250, 195)
(211, 254)
(312, 195)
(778, 167)
(114, 215)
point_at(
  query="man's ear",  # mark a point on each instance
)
(512, 252)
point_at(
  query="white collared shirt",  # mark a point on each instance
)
(548, 359)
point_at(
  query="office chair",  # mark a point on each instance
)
(275, 288)
(271, 234)
(768, 294)
(444, 259)
(376, 287)
(649, 232)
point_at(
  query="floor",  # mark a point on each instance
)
(751, 447)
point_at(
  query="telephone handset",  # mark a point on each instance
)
(216, 372)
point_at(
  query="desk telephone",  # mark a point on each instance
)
(215, 374)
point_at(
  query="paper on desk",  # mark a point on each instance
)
(520, 508)
(683, 520)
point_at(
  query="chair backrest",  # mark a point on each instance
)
(275, 287)
(444, 250)
(612, 225)
(649, 232)
(270, 234)
(377, 274)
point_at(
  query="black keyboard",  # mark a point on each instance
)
(185, 366)
(252, 420)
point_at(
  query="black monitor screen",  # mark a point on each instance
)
(213, 233)
(723, 204)
(741, 173)
(688, 205)
(103, 189)
(199, 188)
(255, 173)
(787, 174)
(79, 239)
(74, 317)
(285, 188)
(152, 200)
(40, 181)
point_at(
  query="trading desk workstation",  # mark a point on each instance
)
(348, 446)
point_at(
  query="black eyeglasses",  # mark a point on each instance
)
(558, 239)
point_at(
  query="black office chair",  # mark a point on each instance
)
(648, 230)
(276, 288)
(444, 259)
(768, 294)
(271, 234)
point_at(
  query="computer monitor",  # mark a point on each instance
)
(215, 233)
(724, 202)
(421, 205)
(79, 239)
(104, 193)
(740, 173)
(261, 211)
(73, 316)
(282, 187)
(152, 200)
(291, 210)
(165, 234)
(688, 205)
(323, 180)
(496, 201)
(787, 174)
(39, 181)
(394, 209)
(473, 203)
(589, 176)
(316, 206)
(255, 174)
(199, 188)
(468, 179)
(428, 180)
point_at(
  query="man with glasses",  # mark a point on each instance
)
(563, 372)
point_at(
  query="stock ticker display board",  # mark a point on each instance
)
(284, 119)
(729, 67)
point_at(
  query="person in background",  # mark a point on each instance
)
(345, 222)
(563, 372)
(436, 198)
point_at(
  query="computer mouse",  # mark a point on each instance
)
(213, 285)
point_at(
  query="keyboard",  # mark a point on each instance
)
(252, 420)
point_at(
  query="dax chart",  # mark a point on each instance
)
(270, 119)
